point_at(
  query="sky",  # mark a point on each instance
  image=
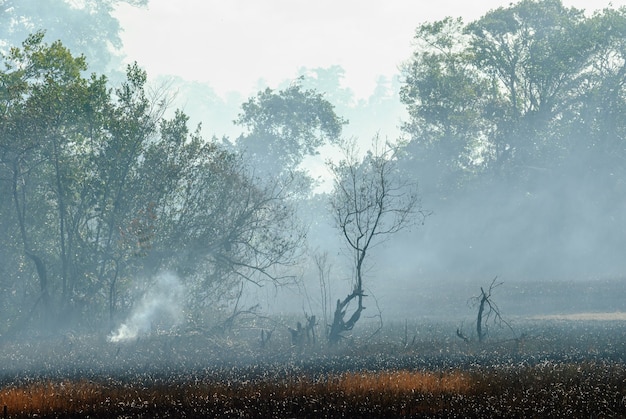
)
(242, 45)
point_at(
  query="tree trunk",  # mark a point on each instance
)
(339, 325)
(39, 264)
(479, 318)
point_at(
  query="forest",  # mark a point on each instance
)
(124, 222)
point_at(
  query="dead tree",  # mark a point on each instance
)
(339, 325)
(370, 201)
(405, 340)
(310, 329)
(297, 335)
(461, 335)
(266, 335)
(323, 270)
(301, 335)
(487, 310)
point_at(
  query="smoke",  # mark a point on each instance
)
(162, 303)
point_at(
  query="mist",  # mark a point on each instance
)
(530, 195)
(466, 215)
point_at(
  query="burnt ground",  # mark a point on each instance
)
(541, 368)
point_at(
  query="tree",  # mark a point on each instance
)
(522, 107)
(501, 93)
(122, 219)
(596, 129)
(371, 201)
(538, 53)
(218, 226)
(69, 152)
(87, 27)
(487, 310)
(379, 112)
(44, 99)
(105, 190)
(286, 126)
(448, 100)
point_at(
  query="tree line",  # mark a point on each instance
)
(516, 128)
(101, 191)
(99, 188)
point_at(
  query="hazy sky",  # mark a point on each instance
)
(231, 44)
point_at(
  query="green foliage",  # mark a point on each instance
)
(104, 190)
(286, 126)
(448, 102)
(508, 92)
(85, 27)
(516, 125)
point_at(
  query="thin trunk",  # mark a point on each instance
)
(39, 264)
(62, 228)
(112, 295)
(479, 319)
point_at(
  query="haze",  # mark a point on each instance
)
(240, 46)
(212, 184)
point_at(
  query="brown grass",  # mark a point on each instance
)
(49, 398)
(401, 382)
(546, 389)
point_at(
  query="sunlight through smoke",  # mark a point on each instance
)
(162, 303)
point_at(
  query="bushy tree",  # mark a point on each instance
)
(284, 127)
(502, 93)
(105, 190)
(86, 27)
(516, 123)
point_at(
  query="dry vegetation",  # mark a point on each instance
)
(565, 369)
(296, 396)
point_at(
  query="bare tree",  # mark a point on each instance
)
(323, 271)
(370, 201)
(487, 309)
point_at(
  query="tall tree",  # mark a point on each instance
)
(450, 104)
(286, 126)
(501, 92)
(104, 189)
(522, 106)
(538, 53)
(44, 100)
(86, 27)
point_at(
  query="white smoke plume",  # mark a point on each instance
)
(162, 303)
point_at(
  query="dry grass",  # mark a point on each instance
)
(586, 316)
(564, 371)
(401, 382)
(578, 389)
(44, 398)
(50, 398)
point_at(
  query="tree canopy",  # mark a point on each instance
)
(517, 118)
(513, 91)
(284, 127)
(85, 27)
(104, 190)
